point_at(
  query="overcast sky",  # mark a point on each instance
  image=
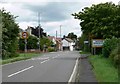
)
(53, 13)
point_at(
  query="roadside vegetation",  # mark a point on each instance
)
(22, 56)
(13, 43)
(100, 21)
(104, 69)
(10, 30)
(106, 65)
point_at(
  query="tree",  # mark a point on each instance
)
(0, 33)
(100, 21)
(72, 36)
(45, 41)
(31, 43)
(35, 31)
(81, 41)
(10, 31)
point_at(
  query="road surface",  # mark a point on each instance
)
(50, 67)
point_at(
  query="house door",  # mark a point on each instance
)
(66, 48)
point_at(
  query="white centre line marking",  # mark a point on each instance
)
(20, 71)
(44, 61)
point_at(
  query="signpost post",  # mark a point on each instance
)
(97, 43)
(25, 36)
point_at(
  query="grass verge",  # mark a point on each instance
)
(22, 56)
(104, 69)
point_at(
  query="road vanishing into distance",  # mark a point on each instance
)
(48, 67)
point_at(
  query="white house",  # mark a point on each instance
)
(68, 44)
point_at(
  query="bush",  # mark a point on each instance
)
(10, 30)
(114, 56)
(50, 49)
(109, 45)
(31, 43)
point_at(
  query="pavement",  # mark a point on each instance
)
(86, 73)
(50, 67)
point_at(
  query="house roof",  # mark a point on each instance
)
(60, 39)
(56, 39)
(51, 37)
(69, 40)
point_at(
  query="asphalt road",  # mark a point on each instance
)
(50, 67)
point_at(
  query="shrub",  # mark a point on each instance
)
(114, 56)
(10, 30)
(50, 49)
(109, 45)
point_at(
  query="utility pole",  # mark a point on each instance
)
(60, 31)
(39, 26)
(25, 45)
(56, 34)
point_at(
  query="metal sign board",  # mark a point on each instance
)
(97, 42)
(85, 42)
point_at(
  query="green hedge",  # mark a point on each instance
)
(109, 45)
(114, 56)
(111, 49)
(50, 49)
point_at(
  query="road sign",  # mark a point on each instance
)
(24, 35)
(97, 42)
(86, 42)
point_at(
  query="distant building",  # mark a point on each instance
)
(52, 38)
(68, 44)
(29, 30)
(20, 33)
(57, 42)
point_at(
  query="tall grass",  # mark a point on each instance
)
(104, 69)
(22, 56)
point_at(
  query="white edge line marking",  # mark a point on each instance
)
(75, 67)
(21, 71)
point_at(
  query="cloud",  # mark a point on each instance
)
(53, 13)
(67, 26)
(50, 12)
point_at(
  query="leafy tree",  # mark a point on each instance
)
(35, 31)
(72, 36)
(31, 43)
(81, 42)
(21, 44)
(0, 34)
(100, 21)
(45, 41)
(10, 31)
